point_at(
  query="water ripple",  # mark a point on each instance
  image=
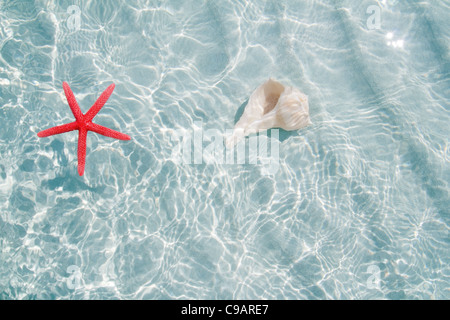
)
(362, 193)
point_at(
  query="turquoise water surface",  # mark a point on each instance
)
(358, 207)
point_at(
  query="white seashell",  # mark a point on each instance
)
(272, 105)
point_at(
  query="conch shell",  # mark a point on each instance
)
(272, 105)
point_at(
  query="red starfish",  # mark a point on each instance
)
(83, 123)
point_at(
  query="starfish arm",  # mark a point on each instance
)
(92, 112)
(58, 129)
(73, 104)
(82, 150)
(107, 132)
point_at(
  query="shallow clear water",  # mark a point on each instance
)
(357, 209)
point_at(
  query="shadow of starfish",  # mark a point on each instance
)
(83, 123)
